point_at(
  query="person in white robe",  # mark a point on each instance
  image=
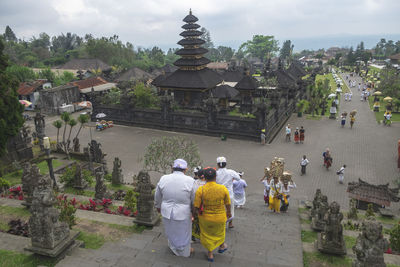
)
(239, 193)
(225, 177)
(285, 194)
(173, 198)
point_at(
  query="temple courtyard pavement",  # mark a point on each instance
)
(260, 238)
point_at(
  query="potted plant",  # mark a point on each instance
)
(301, 106)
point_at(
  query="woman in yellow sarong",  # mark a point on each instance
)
(213, 206)
(275, 195)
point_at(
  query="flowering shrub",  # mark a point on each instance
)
(69, 175)
(131, 200)
(4, 184)
(18, 227)
(67, 210)
(14, 192)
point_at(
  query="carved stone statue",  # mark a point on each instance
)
(331, 239)
(166, 101)
(352, 214)
(117, 177)
(318, 220)
(316, 201)
(100, 188)
(77, 146)
(30, 179)
(39, 128)
(370, 245)
(145, 201)
(79, 182)
(49, 236)
(211, 107)
(95, 151)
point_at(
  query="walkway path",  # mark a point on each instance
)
(260, 238)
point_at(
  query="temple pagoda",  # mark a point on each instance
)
(191, 83)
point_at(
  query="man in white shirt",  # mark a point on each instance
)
(225, 177)
(173, 198)
(341, 174)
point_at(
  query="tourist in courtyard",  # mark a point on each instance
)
(266, 181)
(341, 174)
(275, 195)
(263, 137)
(296, 136)
(173, 198)
(343, 120)
(304, 162)
(352, 120)
(285, 194)
(350, 95)
(302, 132)
(213, 206)
(327, 158)
(346, 96)
(288, 132)
(225, 177)
(199, 180)
(239, 194)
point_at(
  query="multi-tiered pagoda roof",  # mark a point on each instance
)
(192, 72)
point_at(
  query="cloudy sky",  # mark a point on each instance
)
(157, 22)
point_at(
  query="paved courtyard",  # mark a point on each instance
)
(260, 238)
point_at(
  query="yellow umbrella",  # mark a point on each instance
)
(388, 98)
(377, 93)
(375, 79)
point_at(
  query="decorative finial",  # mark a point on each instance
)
(190, 11)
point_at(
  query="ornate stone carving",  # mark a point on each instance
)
(145, 201)
(95, 151)
(49, 236)
(77, 146)
(30, 179)
(79, 182)
(318, 220)
(331, 239)
(39, 128)
(352, 214)
(370, 245)
(316, 201)
(117, 177)
(100, 188)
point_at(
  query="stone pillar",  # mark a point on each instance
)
(318, 220)
(30, 179)
(100, 188)
(39, 128)
(212, 111)
(49, 236)
(147, 214)
(166, 101)
(117, 177)
(79, 182)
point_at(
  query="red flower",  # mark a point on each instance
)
(126, 212)
(389, 251)
(108, 211)
(120, 209)
(135, 213)
(20, 197)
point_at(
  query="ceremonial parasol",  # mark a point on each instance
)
(331, 95)
(100, 115)
(388, 98)
(85, 104)
(26, 103)
(377, 93)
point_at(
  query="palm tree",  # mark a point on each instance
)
(66, 117)
(83, 118)
(58, 124)
(71, 123)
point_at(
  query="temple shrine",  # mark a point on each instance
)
(192, 82)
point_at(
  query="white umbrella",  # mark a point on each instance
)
(331, 95)
(100, 115)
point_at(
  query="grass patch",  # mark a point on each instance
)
(305, 221)
(92, 241)
(14, 177)
(387, 220)
(20, 212)
(119, 187)
(349, 240)
(74, 191)
(308, 236)
(303, 210)
(129, 229)
(44, 168)
(237, 113)
(14, 259)
(315, 117)
(4, 226)
(319, 259)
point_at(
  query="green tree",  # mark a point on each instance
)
(66, 117)
(206, 36)
(9, 35)
(71, 123)
(161, 153)
(11, 119)
(286, 50)
(58, 124)
(47, 74)
(261, 46)
(21, 73)
(144, 97)
(82, 119)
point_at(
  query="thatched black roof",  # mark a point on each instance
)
(191, 79)
(192, 62)
(284, 78)
(247, 83)
(191, 33)
(195, 41)
(190, 18)
(189, 51)
(297, 70)
(167, 69)
(160, 78)
(232, 75)
(134, 74)
(378, 194)
(191, 26)
(224, 91)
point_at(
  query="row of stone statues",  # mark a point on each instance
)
(370, 244)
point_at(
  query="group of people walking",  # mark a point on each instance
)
(199, 207)
(299, 134)
(276, 193)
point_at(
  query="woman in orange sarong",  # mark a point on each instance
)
(213, 206)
